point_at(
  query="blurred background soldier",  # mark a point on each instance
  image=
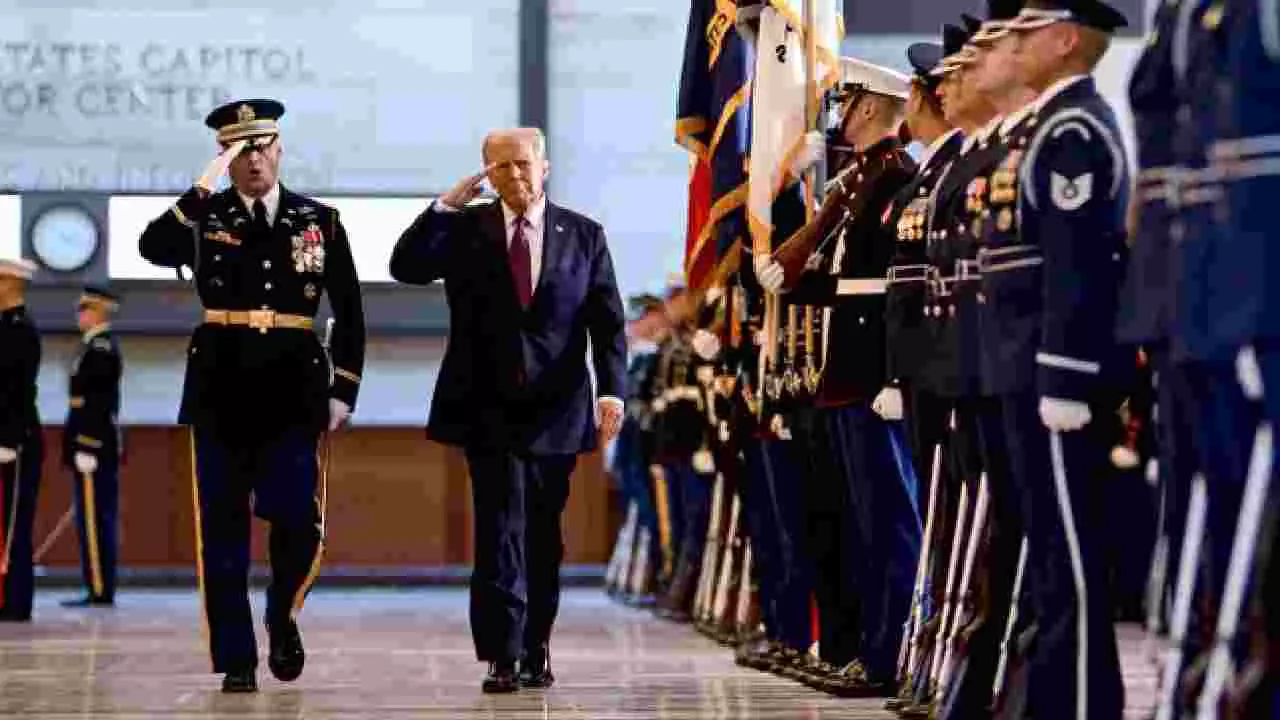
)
(259, 390)
(21, 445)
(91, 444)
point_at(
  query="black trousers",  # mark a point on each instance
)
(20, 485)
(515, 581)
(97, 498)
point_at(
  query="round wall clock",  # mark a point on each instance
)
(64, 238)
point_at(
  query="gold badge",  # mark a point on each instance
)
(1005, 220)
(309, 291)
(244, 113)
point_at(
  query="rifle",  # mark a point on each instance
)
(957, 540)
(618, 571)
(1183, 598)
(964, 607)
(1243, 547)
(909, 649)
(743, 617)
(702, 599)
(1002, 664)
(724, 584)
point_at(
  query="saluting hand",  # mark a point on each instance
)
(465, 191)
(219, 166)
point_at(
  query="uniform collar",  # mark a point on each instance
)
(1055, 90)
(96, 330)
(271, 201)
(982, 134)
(936, 145)
(534, 214)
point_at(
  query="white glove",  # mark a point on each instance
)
(888, 404)
(86, 463)
(1249, 374)
(706, 344)
(339, 412)
(218, 168)
(771, 276)
(1064, 415)
(812, 148)
(7, 455)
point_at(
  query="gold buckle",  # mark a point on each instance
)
(262, 319)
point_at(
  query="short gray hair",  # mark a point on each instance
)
(536, 134)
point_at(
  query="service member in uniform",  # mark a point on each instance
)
(259, 389)
(21, 443)
(1046, 286)
(92, 444)
(866, 531)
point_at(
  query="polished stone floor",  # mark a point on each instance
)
(400, 653)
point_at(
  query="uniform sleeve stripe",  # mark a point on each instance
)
(1242, 147)
(347, 375)
(88, 441)
(1077, 119)
(1061, 362)
(182, 217)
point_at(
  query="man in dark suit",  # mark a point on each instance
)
(528, 282)
(259, 389)
(91, 444)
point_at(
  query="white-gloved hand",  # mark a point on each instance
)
(812, 148)
(86, 463)
(218, 168)
(1249, 374)
(706, 344)
(7, 455)
(888, 404)
(1064, 415)
(339, 412)
(771, 277)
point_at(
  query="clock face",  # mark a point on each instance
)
(64, 238)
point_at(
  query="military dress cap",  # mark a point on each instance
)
(860, 76)
(925, 58)
(1001, 15)
(1090, 13)
(17, 267)
(246, 120)
(99, 295)
(644, 303)
(954, 40)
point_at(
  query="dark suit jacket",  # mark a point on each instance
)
(516, 379)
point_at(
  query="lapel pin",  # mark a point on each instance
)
(559, 228)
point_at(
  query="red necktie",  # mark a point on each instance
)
(521, 265)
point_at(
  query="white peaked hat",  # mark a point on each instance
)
(861, 75)
(17, 267)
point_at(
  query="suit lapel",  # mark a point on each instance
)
(553, 243)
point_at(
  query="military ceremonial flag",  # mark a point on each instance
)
(712, 123)
(780, 104)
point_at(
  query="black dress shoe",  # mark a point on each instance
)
(15, 617)
(87, 601)
(240, 681)
(501, 678)
(287, 656)
(535, 670)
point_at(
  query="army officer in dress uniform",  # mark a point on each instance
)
(21, 447)
(259, 389)
(91, 444)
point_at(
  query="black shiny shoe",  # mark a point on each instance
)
(87, 601)
(241, 681)
(501, 679)
(287, 656)
(535, 670)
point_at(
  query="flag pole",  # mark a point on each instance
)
(811, 174)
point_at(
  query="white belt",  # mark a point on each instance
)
(861, 286)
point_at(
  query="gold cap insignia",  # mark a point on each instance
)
(244, 113)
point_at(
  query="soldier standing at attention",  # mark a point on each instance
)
(259, 390)
(21, 446)
(91, 444)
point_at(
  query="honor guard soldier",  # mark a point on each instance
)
(21, 443)
(1048, 279)
(259, 389)
(91, 444)
(864, 529)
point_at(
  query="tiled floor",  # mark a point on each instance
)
(392, 654)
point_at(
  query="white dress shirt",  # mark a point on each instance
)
(271, 201)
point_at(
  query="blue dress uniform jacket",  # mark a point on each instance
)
(905, 338)
(951, 366)
(263, 380)
(1052, 289)
(853, 369)
(19, 430)
(513, 378)
(1148, 296)
(94, 402)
